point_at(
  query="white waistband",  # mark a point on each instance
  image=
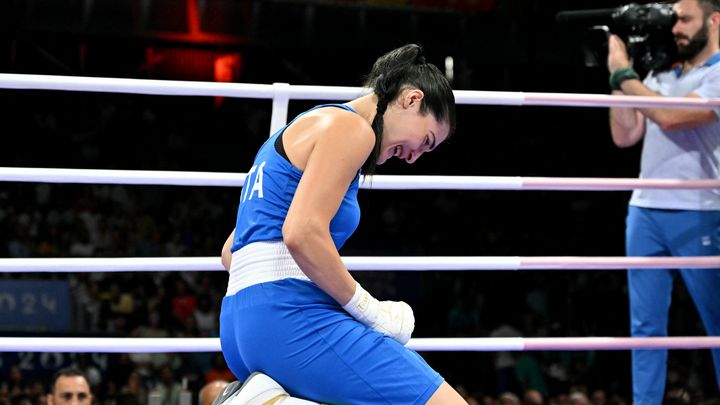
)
(261, 262)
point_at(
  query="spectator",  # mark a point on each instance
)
(598, 397)
(529, 373)
(152, 327)
(121, 301)
(183, 301)
(210, 391)
(579, 398)
(508, 398)
(533, 397)
(206, 317)
(135, 387)
(69, 387)
(88, 305)
(119, 369)
(14, 384)
(168, 389)
(36, 392)
(505, 379)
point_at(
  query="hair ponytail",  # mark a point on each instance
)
(397, 70)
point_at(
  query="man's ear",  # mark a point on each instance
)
(49, 399)
(714, 19)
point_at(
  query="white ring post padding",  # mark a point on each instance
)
(196, 345)
(281, 100)
(190, 88)
(364, 263)
(378, 182)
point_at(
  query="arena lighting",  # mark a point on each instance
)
(227, 69)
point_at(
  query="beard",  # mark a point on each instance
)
(695, 44)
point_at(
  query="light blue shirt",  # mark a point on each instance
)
(684, 154)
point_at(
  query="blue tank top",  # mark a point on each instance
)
(269, 189)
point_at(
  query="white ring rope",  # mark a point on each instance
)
(196, 345)
(365, 263)
(172, 87)
(193, 88)
(378, 182)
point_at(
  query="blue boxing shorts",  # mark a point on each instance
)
(294, 332)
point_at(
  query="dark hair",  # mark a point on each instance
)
(406, 68)
(709, 6)
(65, 372)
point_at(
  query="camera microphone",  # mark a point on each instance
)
(596, 16)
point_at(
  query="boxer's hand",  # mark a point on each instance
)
(391, 318)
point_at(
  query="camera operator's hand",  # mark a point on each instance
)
(617, 54)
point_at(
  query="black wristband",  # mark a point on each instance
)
(620, 75)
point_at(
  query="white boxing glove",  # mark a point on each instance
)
(391, 318)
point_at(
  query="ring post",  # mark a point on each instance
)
(281, 99)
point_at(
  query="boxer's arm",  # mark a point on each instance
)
(225, 255)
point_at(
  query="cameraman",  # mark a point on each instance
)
(682, 144)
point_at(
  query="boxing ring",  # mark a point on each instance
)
(281, 94)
